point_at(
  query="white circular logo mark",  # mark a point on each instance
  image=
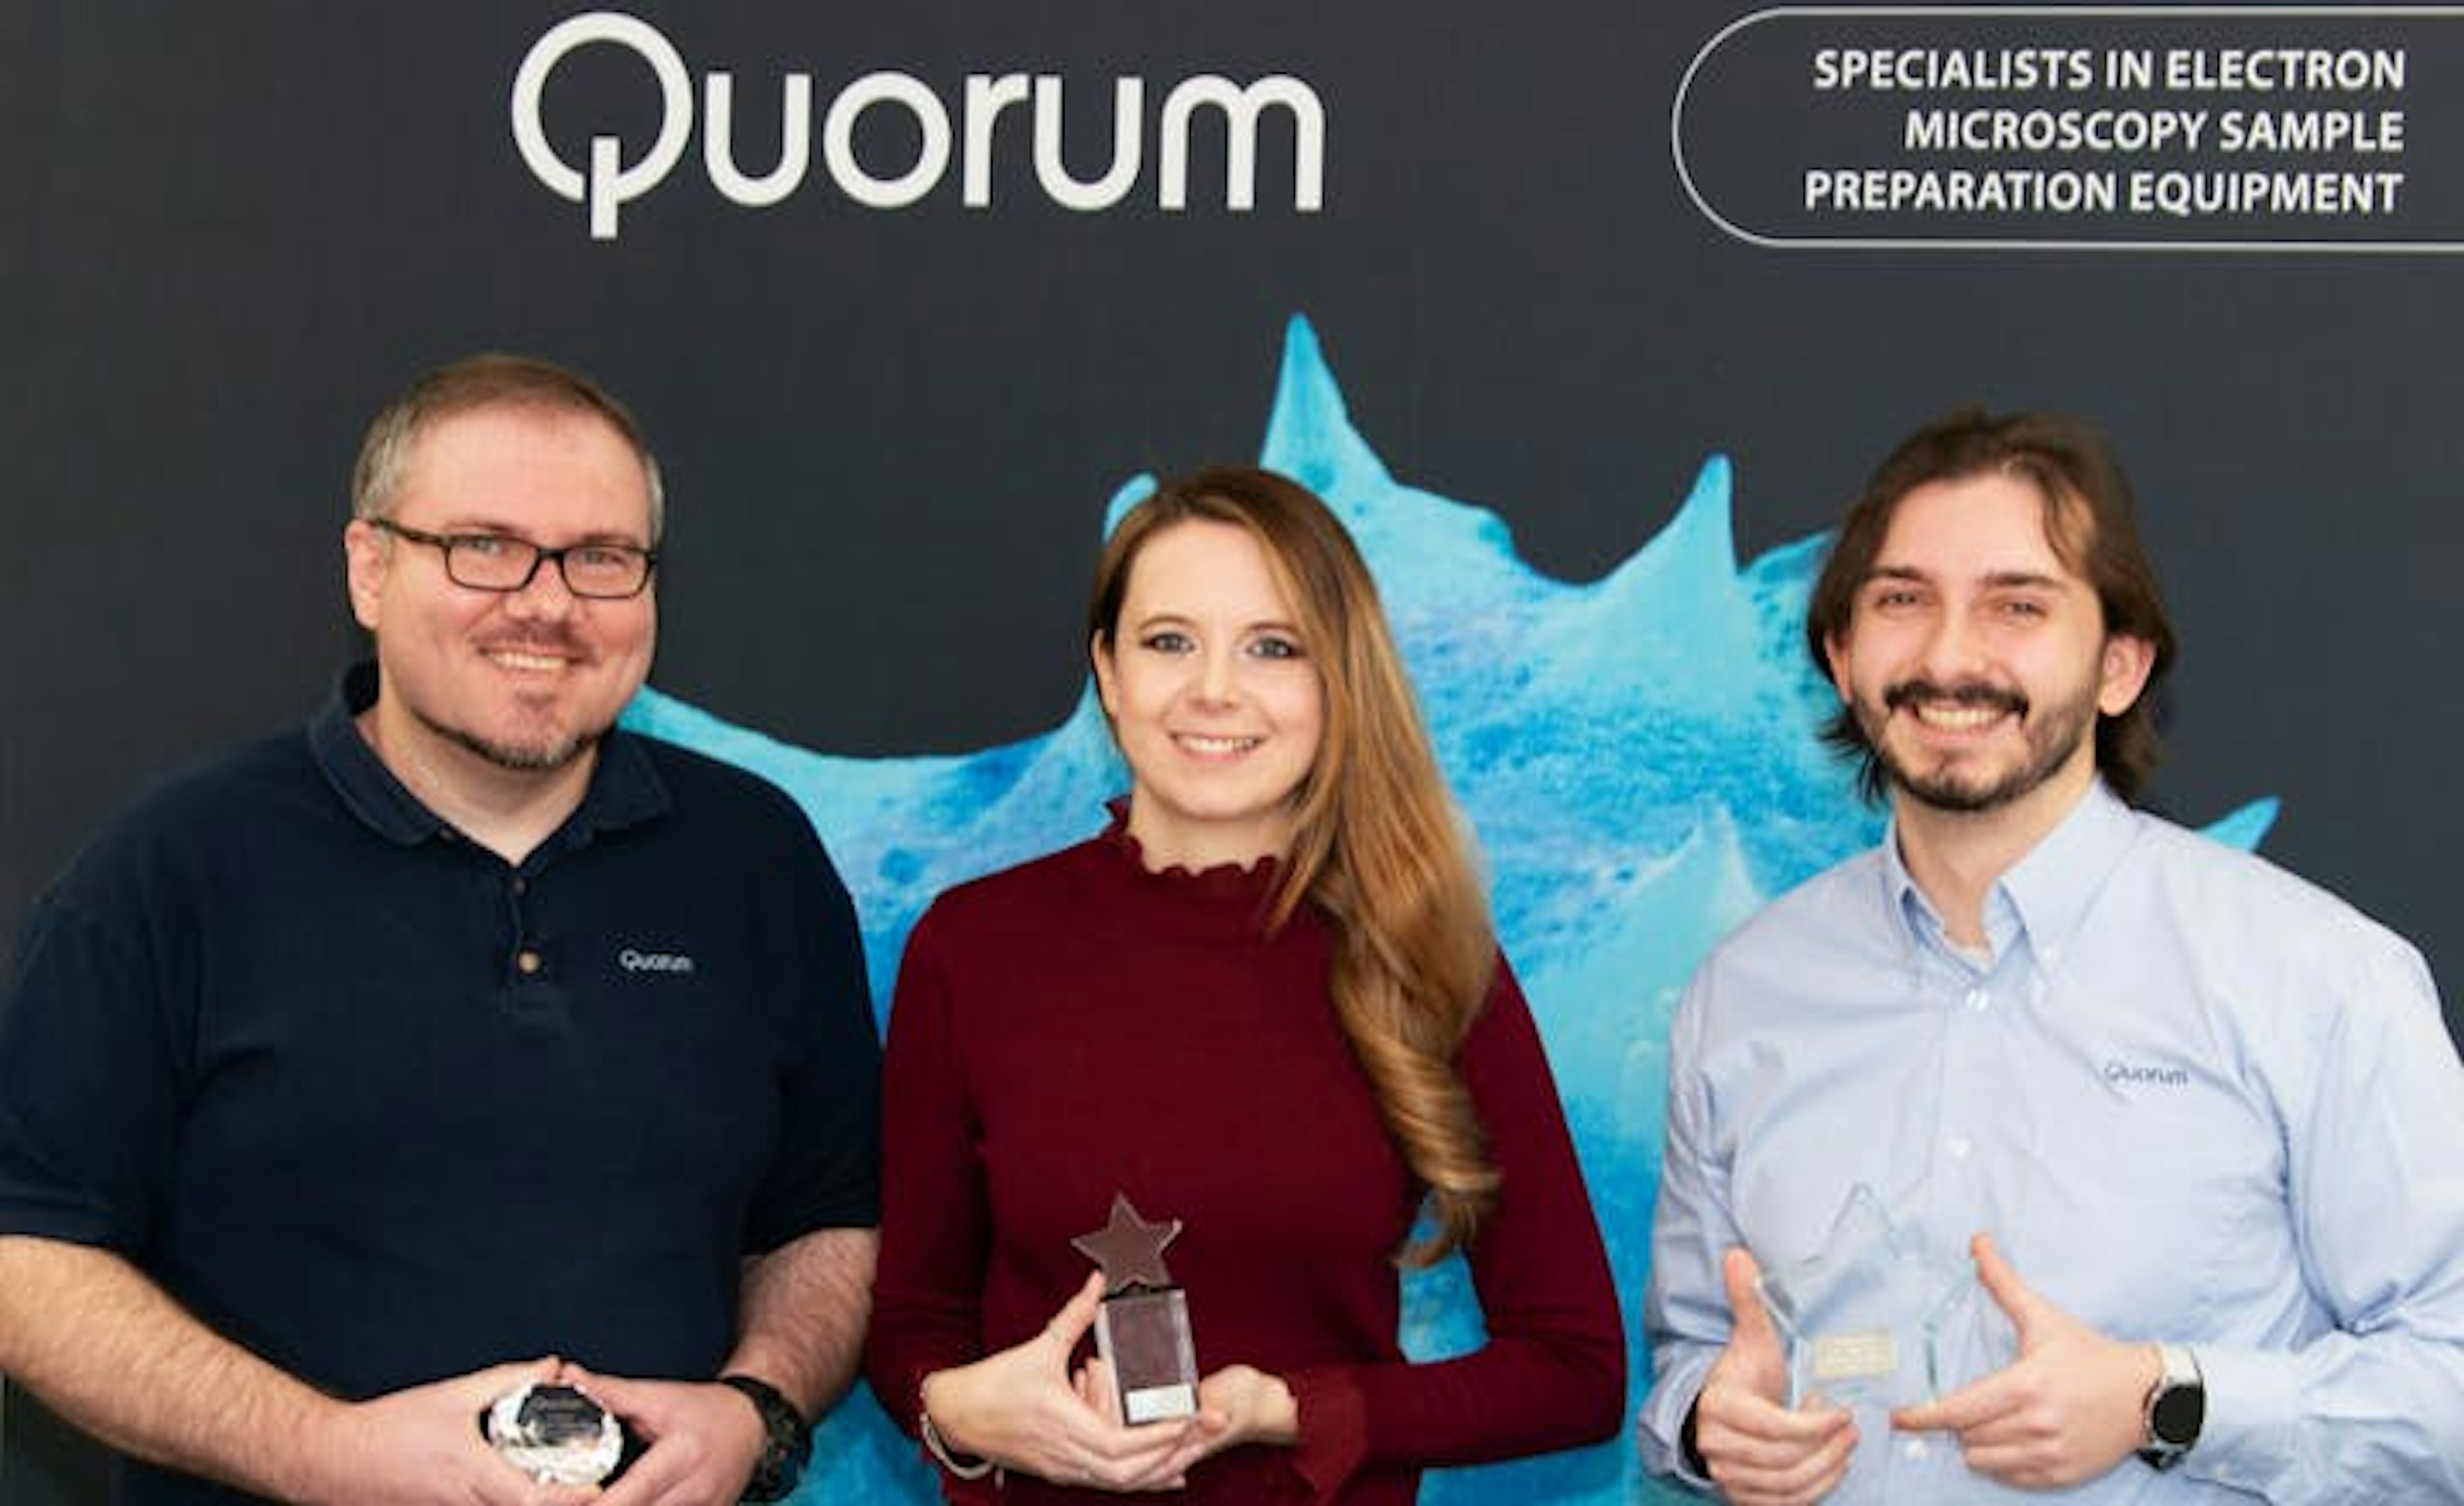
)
(609, 184)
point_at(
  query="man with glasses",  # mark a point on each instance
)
(462, 1044)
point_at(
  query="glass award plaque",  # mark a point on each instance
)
(1868, 1320)
(1142, 1329)
(556, 1434)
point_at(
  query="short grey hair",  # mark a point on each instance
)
(489, 380)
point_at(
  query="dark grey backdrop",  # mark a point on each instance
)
(232, 229)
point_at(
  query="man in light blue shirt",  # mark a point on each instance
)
(2198, 1123)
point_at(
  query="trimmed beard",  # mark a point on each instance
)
(2052, 737)
(544, 759)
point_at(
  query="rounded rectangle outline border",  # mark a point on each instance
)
(1736, 232)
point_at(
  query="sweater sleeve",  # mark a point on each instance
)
(1551, 1374)
(928, 1295)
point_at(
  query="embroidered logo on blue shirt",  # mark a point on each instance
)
(2118, 1071)
(633, 961)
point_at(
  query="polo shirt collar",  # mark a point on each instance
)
(625, 787)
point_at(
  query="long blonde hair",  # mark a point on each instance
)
(1377, 845)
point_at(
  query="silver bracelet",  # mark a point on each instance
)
(940, 1450)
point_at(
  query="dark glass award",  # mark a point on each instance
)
(1142, 1330)
(1868, 1319)
(556, 1434)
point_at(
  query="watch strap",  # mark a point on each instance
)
(786, 1442)
(1687, 1449)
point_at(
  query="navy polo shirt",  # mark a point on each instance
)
(385, 1108)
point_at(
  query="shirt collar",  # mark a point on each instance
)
(2045, 896)
(625, 786)
(2056, 883)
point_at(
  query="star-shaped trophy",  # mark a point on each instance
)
(1869, 1320)
(1142, 1330)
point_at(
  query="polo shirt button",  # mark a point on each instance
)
(528, 963)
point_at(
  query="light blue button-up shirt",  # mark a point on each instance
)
(2193, 1097)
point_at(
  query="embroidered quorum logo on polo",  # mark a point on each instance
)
(633, 961)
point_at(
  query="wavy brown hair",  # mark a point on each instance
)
(1377, 844)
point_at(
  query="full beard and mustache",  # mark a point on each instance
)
(2051, 738)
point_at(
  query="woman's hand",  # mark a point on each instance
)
(1253, 1406)
(1021, 1409)
(1239, 1403)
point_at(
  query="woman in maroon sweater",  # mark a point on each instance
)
(1265, 1003)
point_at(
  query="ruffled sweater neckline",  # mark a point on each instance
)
(1220, 897)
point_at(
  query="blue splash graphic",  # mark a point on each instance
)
(1639, 754)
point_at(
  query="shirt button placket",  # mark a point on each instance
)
(1957, 1196)
(529, 961)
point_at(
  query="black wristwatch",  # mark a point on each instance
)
(2177, 1408)
(786, 1443)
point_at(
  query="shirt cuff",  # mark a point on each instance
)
(1673, 1398)
(2253, 1396)
(1333, 1422)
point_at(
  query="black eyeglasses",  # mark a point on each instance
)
(495, 562)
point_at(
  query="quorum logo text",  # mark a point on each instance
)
(609, 180)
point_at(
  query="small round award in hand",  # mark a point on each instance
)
(1142, 1329)
(554, 1433)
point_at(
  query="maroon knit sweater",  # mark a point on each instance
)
(1078, 1026)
